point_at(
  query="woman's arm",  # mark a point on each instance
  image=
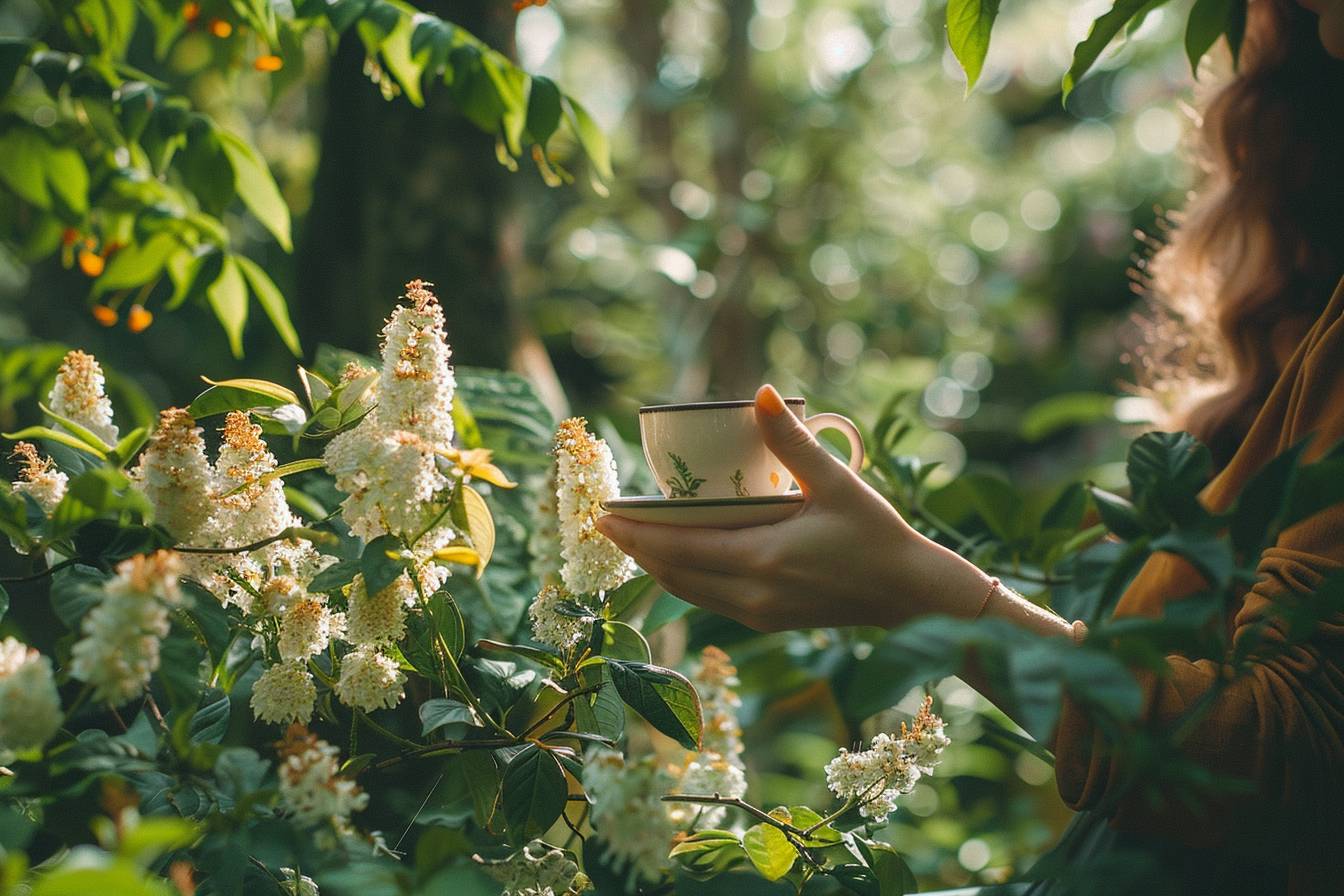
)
(846, 558)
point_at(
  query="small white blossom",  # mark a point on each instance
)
(30, 707)
(279, 593)
(706, 775)
(628, 813)
(370, 680)
(284, 693)
(416, 385)
(311, 788)
(247, 509)
(377, 619)
(875, 778)
(537, 869)
(714, 677)
(120, 648)
(307, 628)
(388, 476)
(585, 476)
(39, 478)
(176, 477)
(551, 626)
(78, 395)
(296, 884)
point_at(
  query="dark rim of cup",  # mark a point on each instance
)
(710, 405)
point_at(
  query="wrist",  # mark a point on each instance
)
(930, 579)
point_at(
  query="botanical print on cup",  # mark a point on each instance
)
(685, 484)
(739, 489)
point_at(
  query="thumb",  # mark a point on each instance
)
(790, 441)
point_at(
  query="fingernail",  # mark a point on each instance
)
(769, 401)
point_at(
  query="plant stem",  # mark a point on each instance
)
(41, 574)
(565, 701)
(363, 717)
(737, 803)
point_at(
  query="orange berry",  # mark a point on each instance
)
(139, 318)
(91, 263)
(268, 63)
(104, 315)
(220, 28)
(69, 236)
(191, 11)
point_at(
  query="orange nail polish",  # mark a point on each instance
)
(769, 400)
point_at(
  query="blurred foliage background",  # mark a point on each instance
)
(802, 195)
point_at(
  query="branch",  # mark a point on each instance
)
(291, 532)
(737, 803)
(42, 574)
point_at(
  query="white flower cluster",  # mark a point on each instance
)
(311, 786)
(543, 545)
(386, 464)
(284, 692)
(585, 476)
(378, 619)
(875, 778)
(370, 680)
(120, 648)
(39, 478)
(628, 813)
(30, 707)
(554, 626)
(296, 884)
(538, 870)
(717, 769)
(307, 627)
(176, 477)
(78, 396)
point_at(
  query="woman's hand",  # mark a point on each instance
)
(846, 558)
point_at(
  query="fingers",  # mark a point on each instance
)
(728, 595)
(785, 435)
(727, 551)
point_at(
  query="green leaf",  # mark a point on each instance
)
(4, 602)
(137, 263)
(1166, 470)
(543, 109)
(667, 608)
(438, 712)
(1208, 552)
(969, 23)
(228, 297)
(1208, 20)
(1257, 515)
(483, 781)
(893, 876)
(335, 577)
(150, 838)
(239, 395)
(535, 654)
(1118, 513)
(14, 51)
(272, 302)
(591, 138)
(534, 793)
(622, 642)
(55, 435)
(256, 187)
(626, 596)
(769, 850)
(23, 150)
(662, 697)
(382, 563)
(1059, 412)
(211, 721)
(122, 878)
(68, 178)
(708, 853)
(1098, 38)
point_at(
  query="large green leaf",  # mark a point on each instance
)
(969, 23)
(664, 698)
(228, 297)
(1208, 20)
(769, 850)
(534, 793)
(256, 187)
(1099, 36)
(272, 302)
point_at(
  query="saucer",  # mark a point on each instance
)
(714, 513)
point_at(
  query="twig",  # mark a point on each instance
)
(735, 802)
(42, 574)
(590, 689)
(291, 532)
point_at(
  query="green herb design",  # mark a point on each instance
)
(738, 488)
(685, 484)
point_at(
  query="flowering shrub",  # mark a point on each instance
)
(405, 659)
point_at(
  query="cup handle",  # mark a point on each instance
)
(817, 422)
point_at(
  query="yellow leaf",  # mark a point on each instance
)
(491, 474)
(458, 554)
(480, 526)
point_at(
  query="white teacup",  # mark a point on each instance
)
(713, 449)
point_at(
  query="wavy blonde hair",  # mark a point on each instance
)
(1239, 276)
